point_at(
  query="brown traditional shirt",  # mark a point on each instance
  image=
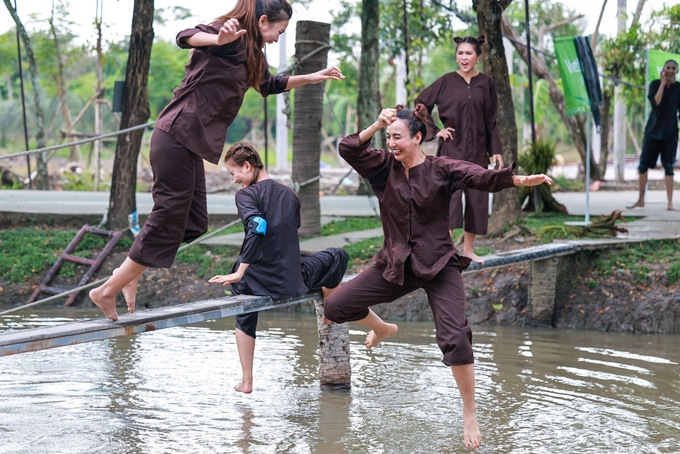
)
(414, 210)
(471, 110)
(211, 94)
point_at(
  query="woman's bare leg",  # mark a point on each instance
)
(465, 379)
(379, 329)
(246, 354)
(468, 246)
(130, 292)
(104, 296)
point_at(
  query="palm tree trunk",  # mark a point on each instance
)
(308, 105)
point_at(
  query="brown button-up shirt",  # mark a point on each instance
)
(211, 94)
(470, 109)
(415, 210)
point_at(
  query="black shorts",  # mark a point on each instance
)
(652, 149)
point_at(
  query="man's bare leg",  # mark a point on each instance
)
(668, 179)
(246, 354)
(465, 379)
(379, 329)
(468, 245)
(642, 186)
(104, 296)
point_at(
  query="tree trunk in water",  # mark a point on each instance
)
(135, 111)
(335, 371)
(308, 102)
(43, 180)
(506, 206)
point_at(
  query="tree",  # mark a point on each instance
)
(43, 180)
(506, 204)
(368, 96)
(135, 112)
(311, 50)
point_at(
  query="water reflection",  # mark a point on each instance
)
(171, 391)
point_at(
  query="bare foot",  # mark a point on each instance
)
(670, 207)
(130, 292)
(106, 304)
(471, 433)
(373, 338)
(639, 203)
(474, 257)
(325, 321)
(244, 388)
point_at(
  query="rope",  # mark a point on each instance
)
(297, 186)
(77, 142)
(101, 281)
(322, 46)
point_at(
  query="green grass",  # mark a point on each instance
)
(351, 224)
(30, 251)
(634, 257)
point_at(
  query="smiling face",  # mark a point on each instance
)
(671, 69)
(399, 141)
(466, 57)
(271, 30)
(242, 175)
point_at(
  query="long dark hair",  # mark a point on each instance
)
(476, 42)
(416, 119)
(248, 13)
(242, 152)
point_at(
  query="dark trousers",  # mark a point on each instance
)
(180, 211)
(322, 269)
(476, 215)
(445, 294)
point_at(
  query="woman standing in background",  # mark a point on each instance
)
(467, 103)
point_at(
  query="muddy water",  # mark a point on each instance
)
(170, 391)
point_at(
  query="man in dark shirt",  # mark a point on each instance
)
(661, 132)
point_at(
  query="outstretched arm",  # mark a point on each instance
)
(231, 278)
(332, 73)
(531, 180)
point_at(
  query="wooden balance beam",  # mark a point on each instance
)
(29, 340)
(544, 271)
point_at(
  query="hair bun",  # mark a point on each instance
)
(457, 39)
(481, 39)
(399, 107)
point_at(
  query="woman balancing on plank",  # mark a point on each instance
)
(414, 191)
(226, 60)
(269, 263)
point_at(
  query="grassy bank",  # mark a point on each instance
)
(31, 251)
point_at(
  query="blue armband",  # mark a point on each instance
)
(257, 226)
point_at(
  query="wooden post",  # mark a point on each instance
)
(542, 283)
(335, 371)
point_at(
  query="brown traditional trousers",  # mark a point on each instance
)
(445, 293)
(180, 212)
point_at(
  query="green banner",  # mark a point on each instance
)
(655, 61)
(575, 92)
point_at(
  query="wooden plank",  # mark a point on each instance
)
(29, 340)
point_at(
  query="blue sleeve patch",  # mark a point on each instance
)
(258, 226)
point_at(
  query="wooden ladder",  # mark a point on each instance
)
(67, 256)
